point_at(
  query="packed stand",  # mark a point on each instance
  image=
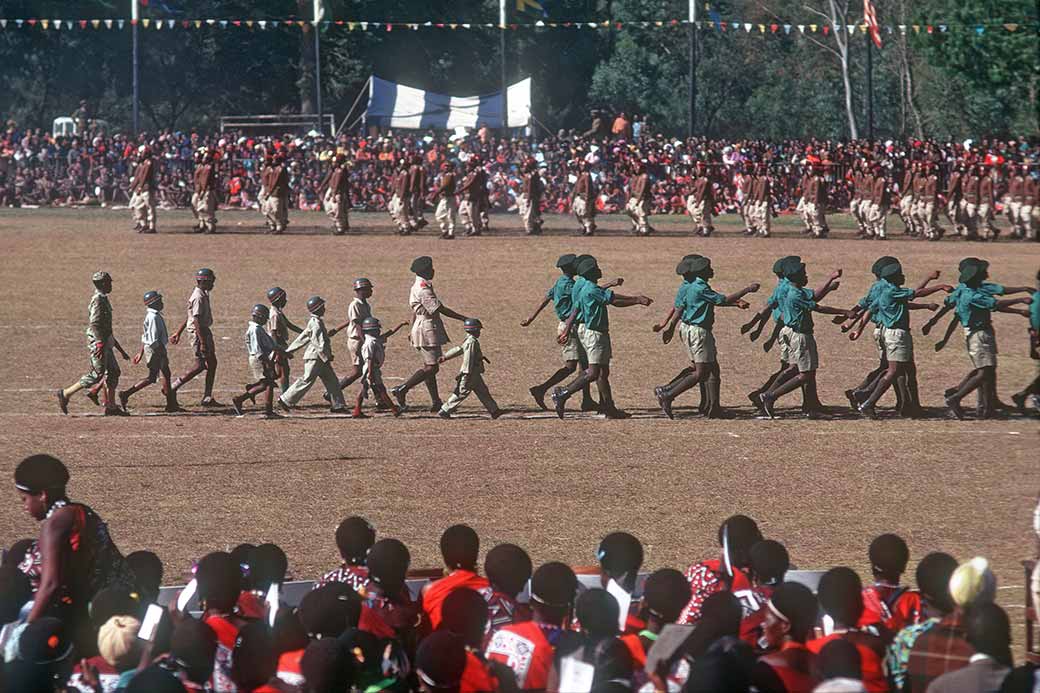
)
(81, 617)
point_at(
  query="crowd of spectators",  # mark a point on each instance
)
(76, 617)
(39, 169)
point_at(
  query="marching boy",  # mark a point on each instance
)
(357, 312)
(317, 361)
(471, 372)
(199, 323)
(154, 338)
(372, 355)
(102, 343)
(262, 349)
(278, 326)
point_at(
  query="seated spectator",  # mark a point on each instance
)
(769, 564)
(120, 653)
(388, 610)
(508, 568)
(665, 594)
(44, 659)
(219, 585)
(841, 598)
(354, 537)
(466, 615)
(841, 668)
(620, 557)
(989, 632)
(440, 663)
(736, 536)
(788, 664)
(460, 547)
(148, 574)
(327, 667)
(886, 601)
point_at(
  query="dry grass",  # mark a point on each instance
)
(184, 485)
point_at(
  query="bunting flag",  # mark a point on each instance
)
(717, 24)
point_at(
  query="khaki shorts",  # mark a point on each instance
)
(429, 355)
(596, 345)
(803, 351)
(256, 368)
(197, 342)
(879, 342)
(156, 359)
(899, 345)
(982, 348)
(572, 349)
(354, 349)
(784, 340)
(699, 343)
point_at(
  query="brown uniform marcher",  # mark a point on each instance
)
(864, 201)
(199, 323)
(336, 199)
(907, 198)
(143, 191)
(204, 197)
(816, 204)
(472, 191)
(954, 199)
(400, 200)
(700, 203)
(762, 202)
(747, 182)
(856, 200)
(638, 206)
(277, 212)
(970, 204)
(927, 205)
(801, 208)
(529, 201)
(1018, 213)
(263, 197)
(880, 202)
(583, 200)
(986, 200)
(447, 209)
(417, 191)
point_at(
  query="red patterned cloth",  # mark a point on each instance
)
(706, 578)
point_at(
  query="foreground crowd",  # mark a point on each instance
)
(581, 302)
(79, 618)
(585, 174)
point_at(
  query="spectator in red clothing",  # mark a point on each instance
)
(329, 611)
(441, 663)
(327, 667)
(665, 594)
(465, 615)
(886, 601)
(508, 568)
(460, 547)
(387, 609)
(788, 665)
(945, 646)
(841, 668)
(354, 537)
(841, 597)
(622, 127)
(769, 564)
(253, 661)
(736, 536)
(219, 585)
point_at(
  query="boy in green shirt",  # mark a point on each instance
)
(1032, 391)
(590, 305)
(573, 354)
(697, 311)
(681, 269)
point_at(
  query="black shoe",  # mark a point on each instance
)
(436, 406)
(174, 408)
(615, 413)
(499, 413)
(237, 406)
(867, 411)
(63, 402)
(115, 411)
(539, 397)
(559, 398)
(589, 405)
(955, 409)
(399, 394)
(664, 401)
(283, 406)
(443, 414)
(851, 396)
(1020, 402)
(123, 399)
(756, 400)
(767, 405)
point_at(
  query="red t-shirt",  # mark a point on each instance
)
(896, 607)
(788, 669)
(436, 592)
(871, 652)
(706, 578)
(476, 678)
(527, 649)
(289, 669)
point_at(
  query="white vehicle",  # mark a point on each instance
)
(66, 126)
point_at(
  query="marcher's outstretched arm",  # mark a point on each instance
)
(735, 299)
(621, 301)
(541, 307)
(664, 323)
(830, 285)
(930, 278)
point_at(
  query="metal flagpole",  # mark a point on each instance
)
(134, 20)
(870, 86)
(317, 65)
(502, 49)
(692, 29)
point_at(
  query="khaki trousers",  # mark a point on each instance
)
(143, 206)
(446, 215)
(315, 369)
(336, 210)
(465, 384)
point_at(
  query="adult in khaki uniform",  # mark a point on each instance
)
(816, 203)
(102, 344)
(336, 200)
(987, 187)
(638, 206)
(317, 361)
(928, 203)
(471, 373)
(697, 311)
(529, 202)
(591, 302)
(417, 192)
(583, 199)
(447, 209)
(802, 208)
(907, 199)
(880, 202)
(143, 191)
(761, 212)
(701, 201)
(469, 213)
(955, 198)
(428, 334)
(1019, 210)
(204, 197)
(856, 199)
(278, 195)
(199, 323)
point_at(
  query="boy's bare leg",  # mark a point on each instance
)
(755, 395)
(435, 397)
(784, 386)
(969, 384)
(893, 371)
(687, 378)
(538, 391)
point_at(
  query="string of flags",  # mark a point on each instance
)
(734, 27)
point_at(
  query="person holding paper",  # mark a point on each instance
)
(665, 594)
(620, 557)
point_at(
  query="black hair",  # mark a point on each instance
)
(989, 632)
(465, 613)
(839, 658)
(741, 533)
(621, 556)
(508, 568)
(769, 562)
(267, 566)
(598, 613)
(666, 593)
(254, 662)
(148, 573)
(933, 579)
(388, 562)
(460, 547)
(354, 537)
(841, 595)
(327, 667)
(799, 606)
(193, 645)
(888, 555)
(219, 580)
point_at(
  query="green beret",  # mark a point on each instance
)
(566, 260)
(967, 261)
(698, 264)
(970, 270)
(422, 264)
(778, 266)
(100, 277)
(876, 268)
(586, 265)
(684, 265)
(890, 270)
(793, 266)
(39, 473)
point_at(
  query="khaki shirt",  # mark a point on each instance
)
(357, 311)
(316, 339)
(198, 308)
(427, 326)
(278, 326)
(472, 356)
(99, 318)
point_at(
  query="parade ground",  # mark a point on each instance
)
(181, 484)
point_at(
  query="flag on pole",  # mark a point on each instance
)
(531, 7)
(870, 19)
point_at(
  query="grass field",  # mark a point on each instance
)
(187, 484)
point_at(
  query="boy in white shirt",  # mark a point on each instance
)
(471, 373)
(372, 355)
(262, 350)
(317, 361)
(154, 338)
